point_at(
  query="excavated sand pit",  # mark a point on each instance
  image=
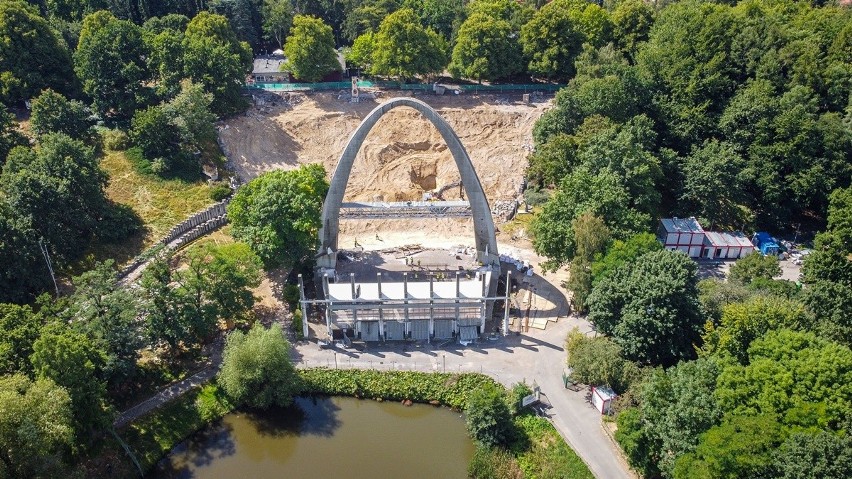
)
(402, 158)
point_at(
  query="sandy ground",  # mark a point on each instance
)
(403, 157)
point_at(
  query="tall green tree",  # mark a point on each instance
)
(278, 214)
(743, 322)
(53, 113)
(190, 111)
(257, 370)
(245, 18)
(650, 308)
(310, 49)
(110, 61)
(277, 20)
(581, 192)
(821, 455)
(631, 23)
(21, 327)
(57, 190)
(677, 407)
(166, 59)
(485, 49)
(803, 380)
(623, 252)
(32, 56)
(754, 266)
(742, 446)
(35, 427)
(598, 361)
(107, 313)
(713, 184)
(831, 305)
(404, 49)
(215, 58)
(552, 40)
(73, 361)
(367, 16)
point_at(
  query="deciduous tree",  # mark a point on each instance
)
(72, 361)
(404, 49)
(32, 56)
(310, 49)
(256, 368)
(215, 58)
(278, 214)
(35, 427)
(754, 266)
(650, 308)
(53, 113)
(277, 20)
(110, 61)
(485, 49)
(487, 416)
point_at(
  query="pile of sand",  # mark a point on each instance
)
(402, 157)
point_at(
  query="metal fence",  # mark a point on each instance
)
(508, 88)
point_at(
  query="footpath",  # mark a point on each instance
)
(536, 357)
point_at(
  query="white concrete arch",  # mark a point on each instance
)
(483, 224)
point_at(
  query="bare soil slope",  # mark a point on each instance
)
(402, 157)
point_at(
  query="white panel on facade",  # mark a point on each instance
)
(671, 238)
(684, 249)
(694, 251)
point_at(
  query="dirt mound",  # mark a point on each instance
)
(403, 157)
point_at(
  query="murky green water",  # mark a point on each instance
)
(328, 438)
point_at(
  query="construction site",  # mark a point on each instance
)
(409, 247)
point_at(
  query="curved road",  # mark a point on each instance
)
(536, 357)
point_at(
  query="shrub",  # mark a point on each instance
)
(296, 325)
(220, 192)
(115, 140)
(488, 418)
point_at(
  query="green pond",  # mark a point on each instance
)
(327, 438)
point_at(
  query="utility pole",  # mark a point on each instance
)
(46, 255)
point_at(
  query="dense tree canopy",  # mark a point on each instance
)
(278, 214)
(32, 55)
(650, 308)
(403, 48)
(53, 113)
(485, 49)
(110, 61)
(35, 427)
(57, 190)
(215, 58)
(310, 49)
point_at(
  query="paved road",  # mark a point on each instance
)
(535, 357)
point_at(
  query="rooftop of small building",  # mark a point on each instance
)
(726, 239)
(681, 225)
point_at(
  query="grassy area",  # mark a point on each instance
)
(544, 454)
(520, 224)
(161, 203)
